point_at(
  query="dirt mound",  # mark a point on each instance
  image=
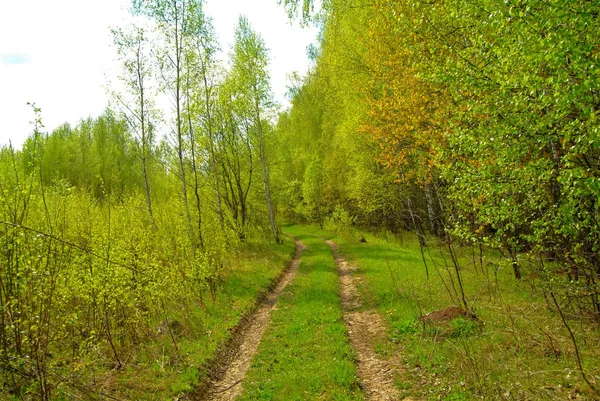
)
(448, 314)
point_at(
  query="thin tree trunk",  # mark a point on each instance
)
(574, 341)
(433, 223)
(147, 191)
(515, 264)
(144, 137)
(457, 270)
(178, 51)
(263, 163)
(268, 196)
(182, 173)
(195, 170)
(420, 235)
(212, 151)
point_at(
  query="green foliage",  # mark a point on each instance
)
(341, 223)
(96, 155)
(462, 327)
(89, 286)
(407, 327)
(458, 395)
(314, 203)
(253, 102)
(187, 381)
(467, 149)
(299, 8)
(335, 158)
(519, 148)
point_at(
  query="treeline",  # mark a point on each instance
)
(95, 155)
(121, 227)
(475, 122)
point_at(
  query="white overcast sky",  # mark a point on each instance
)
(56, 53)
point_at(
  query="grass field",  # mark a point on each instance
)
(520, 349)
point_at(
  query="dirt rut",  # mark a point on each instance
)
(227, 383)
(376, 376)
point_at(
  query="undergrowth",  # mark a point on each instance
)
(160, 372)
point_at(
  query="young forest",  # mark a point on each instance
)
(422, 223)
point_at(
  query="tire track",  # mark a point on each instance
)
(376, 376)
(227, 382)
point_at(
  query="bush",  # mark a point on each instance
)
(342, 223)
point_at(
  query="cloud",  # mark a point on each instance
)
(13, 58)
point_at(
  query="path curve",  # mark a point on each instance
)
(376, 376)
(227, 385)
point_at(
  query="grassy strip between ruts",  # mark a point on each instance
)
(520, 351)
(305, 354)
(158, 372)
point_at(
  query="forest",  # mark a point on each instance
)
(451, 150)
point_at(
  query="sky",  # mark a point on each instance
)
(58, 54)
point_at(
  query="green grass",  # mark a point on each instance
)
(522, 350)
(156, 371)
(305, 354)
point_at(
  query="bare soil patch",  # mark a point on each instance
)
(447, 315)
(228, 375)
(376, 376)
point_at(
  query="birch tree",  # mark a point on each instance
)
(251, 75)
(136, 104)
(174, 22)
(202, 79)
